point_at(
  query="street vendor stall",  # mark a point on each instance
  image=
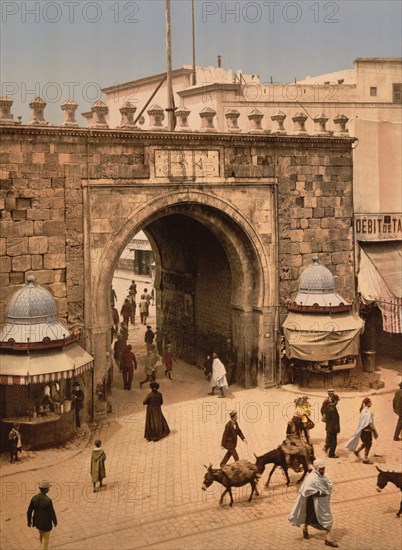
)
(40, 359)
(322, 333)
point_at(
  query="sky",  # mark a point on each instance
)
(70, 49)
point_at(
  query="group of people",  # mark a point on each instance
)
(365, 431)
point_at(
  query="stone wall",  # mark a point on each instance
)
(73, 198)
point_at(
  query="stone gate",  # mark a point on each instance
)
(232, 219)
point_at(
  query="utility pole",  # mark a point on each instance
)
(193, 34)
(170, 107)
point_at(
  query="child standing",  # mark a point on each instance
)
(98, 471)
(168, 359)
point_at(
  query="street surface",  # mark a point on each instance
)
(153, 497)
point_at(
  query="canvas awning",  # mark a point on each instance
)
(380, 280)
(33, 368)
(321, 337)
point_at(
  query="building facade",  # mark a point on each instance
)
(232, 219)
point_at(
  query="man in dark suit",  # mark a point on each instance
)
(332, 426)
(229, 438)
(41, 506)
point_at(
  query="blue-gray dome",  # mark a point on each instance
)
(32, 304)
(317, 279)
(32, 317)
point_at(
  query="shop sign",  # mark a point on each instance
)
(378, 227)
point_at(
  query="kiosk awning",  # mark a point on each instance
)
(380, 280)
(34, 368)
(321, 337)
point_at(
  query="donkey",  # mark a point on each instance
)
(393, 477)
(277, 458)
(236, 474)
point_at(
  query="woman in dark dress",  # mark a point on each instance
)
(156, 426)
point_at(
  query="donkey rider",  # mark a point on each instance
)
(294, 446)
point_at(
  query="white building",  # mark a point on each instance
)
(370, 95)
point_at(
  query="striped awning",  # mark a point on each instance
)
(36, 368)
(380, 281)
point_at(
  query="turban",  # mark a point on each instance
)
(318, 464)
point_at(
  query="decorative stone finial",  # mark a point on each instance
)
(30, 279)
(5, 110)
(156, 117)
(299, 120)
(255, 118)
(278, 119)
(99, 110)
(320, 122)
(182, 114)
(69, 107)
(38, 112)
(232, 116)
(207, 120)
(127, 111)
(340, 121)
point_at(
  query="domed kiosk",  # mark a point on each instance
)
(40, 361)
(321, 331)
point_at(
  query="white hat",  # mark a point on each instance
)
(318, 464)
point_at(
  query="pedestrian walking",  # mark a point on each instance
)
(397, 406)
(326, 402)
(128, 363)
(41, 514)
(365, 431)
(113, 296)
(156, 426)
(167, 361)
(230, 360)
(116, 321)
(98, 469)
(159, 337)
(125, 312)
(229, 439)
(218, 378)
(332, 426)
(133, 309)
(118, 348)
(14, 442)
(124, 332)
(208, 367)
(152, 361)
(78, 398)
(148, 296)
(313, 504)
(132, 289)
(149, 337)
(144, 309)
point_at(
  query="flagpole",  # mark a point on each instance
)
(193, 29)
(170, 107)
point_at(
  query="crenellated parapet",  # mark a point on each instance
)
(69, 107)
(5, 110)
(207, 116)
(98, 117)
(156, 118)
(38, 112)
(127, 111)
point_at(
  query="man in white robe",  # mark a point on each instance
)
(313, 504)
(218, 378)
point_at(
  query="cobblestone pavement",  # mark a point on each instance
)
(153, 496)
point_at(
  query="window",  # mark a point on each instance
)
(373, 91)
(397, 93)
